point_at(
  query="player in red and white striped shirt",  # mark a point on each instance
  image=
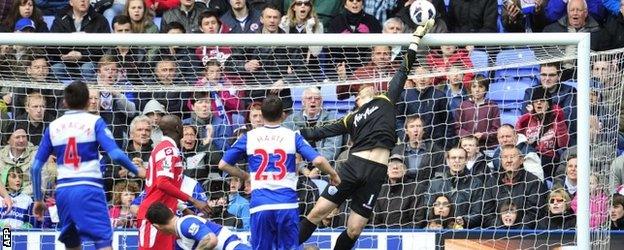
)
(162, 184)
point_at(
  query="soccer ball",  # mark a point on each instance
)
(421, 11)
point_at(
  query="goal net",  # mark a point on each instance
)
(487, 156)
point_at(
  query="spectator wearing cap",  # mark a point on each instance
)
(201, 159)
(561, 95)
(188, 14)
(210, 128)
(400, 201)
(422, 157)
(578, 20)
(464, 190)
(72, 63)
(154, 110)
(313, 115)
(24, 15)
(545, 130)
(18, 152)
(241, 17)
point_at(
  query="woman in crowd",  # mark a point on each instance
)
(560, 215)
(26, 9)
(508, 216)
(441, 214)
(141, 17)
(617, 212)
(598, 203)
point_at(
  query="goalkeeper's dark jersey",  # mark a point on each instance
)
(371, 126)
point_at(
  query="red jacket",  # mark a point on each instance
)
(366, 72)
(556, 137)
(220, 53)
(460, 58)
(471, 118)
(163, 5)
(233, 101)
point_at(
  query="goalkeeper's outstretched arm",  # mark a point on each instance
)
(397, 84)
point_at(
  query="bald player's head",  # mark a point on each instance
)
(171, 126)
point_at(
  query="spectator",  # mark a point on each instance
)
(400, 201)
(556, 9)
(598, 203)
(561, 95)
(375, 72)
(116, 108)
(140, 145)
(37, 72)
(313, 114)
(201, 159)
(441, 213)
(120, 215)
(140, 16)
(227, 104)
(507, 136)
(422, 158)
(161, 6)
(73, 62)
(617, 167)
(449, 55)
(577, 20)
(394, 25)
(461, 188)
(454, 88)
(617, 212)
(50, 7)
(154, 110)
(110, 12)
(508, 216)
(34, 121)
(440, 25)
(568, 182)
(513, 182)
(19, 153)
(432, 106)
(478, 116)
(269, 66)
(615, 27)
(18, 216)
(476, 161)
(472, 16)
(94, 101)
(25, 14)
(353, 19)
(209, 23)
(301, 19)
(182, 56)
(202, 116)
(560, 216)
(166, 75)
(381, 10)
(218, 202)
(254, 118)
(187, 14)
(238, 205)
(516, 19)
(240, 10)
(326, 10)
(545, 129)
(130, 59)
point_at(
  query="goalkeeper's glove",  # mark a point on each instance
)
(421, 31)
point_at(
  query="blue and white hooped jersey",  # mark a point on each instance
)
(271, 161)
(73, 139)
(192, 229)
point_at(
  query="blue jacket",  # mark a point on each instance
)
(239, 207)
(613, 6)
(251, 26)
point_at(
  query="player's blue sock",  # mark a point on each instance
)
(344, 242)
(306, 228)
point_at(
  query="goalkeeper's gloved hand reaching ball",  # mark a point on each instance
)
(421, 31)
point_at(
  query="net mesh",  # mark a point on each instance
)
(133, 85)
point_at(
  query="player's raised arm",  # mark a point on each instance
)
(397, 84)
(231, 156)
(105, 139)
(338, 127)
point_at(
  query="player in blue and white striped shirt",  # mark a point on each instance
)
(193, 232)
(74, 138)
(271, 153)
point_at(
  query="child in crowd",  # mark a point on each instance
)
(18, 217)
(123, 194)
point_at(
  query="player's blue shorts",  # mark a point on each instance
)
(275, 229)
(84, 216)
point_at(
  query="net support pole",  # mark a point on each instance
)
(583, 239)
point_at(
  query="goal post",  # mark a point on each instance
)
(580, 40)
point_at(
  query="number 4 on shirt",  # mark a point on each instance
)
(260, 174)
(71, 153)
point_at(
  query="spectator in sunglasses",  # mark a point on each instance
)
(560, 215)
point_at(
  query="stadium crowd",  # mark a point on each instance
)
(456, 165)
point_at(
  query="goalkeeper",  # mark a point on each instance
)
(372, 129)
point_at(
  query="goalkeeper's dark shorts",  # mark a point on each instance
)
(361, 180)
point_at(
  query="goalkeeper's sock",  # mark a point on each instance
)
(344, 241)
(306, 228)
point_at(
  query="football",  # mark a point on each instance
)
(421, 11)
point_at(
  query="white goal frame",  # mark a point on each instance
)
(580, 40)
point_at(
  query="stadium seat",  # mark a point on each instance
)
(48, 20)
(510, 117)
(516, 56)
(480, 60)
(509, 94)
(572, 83)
